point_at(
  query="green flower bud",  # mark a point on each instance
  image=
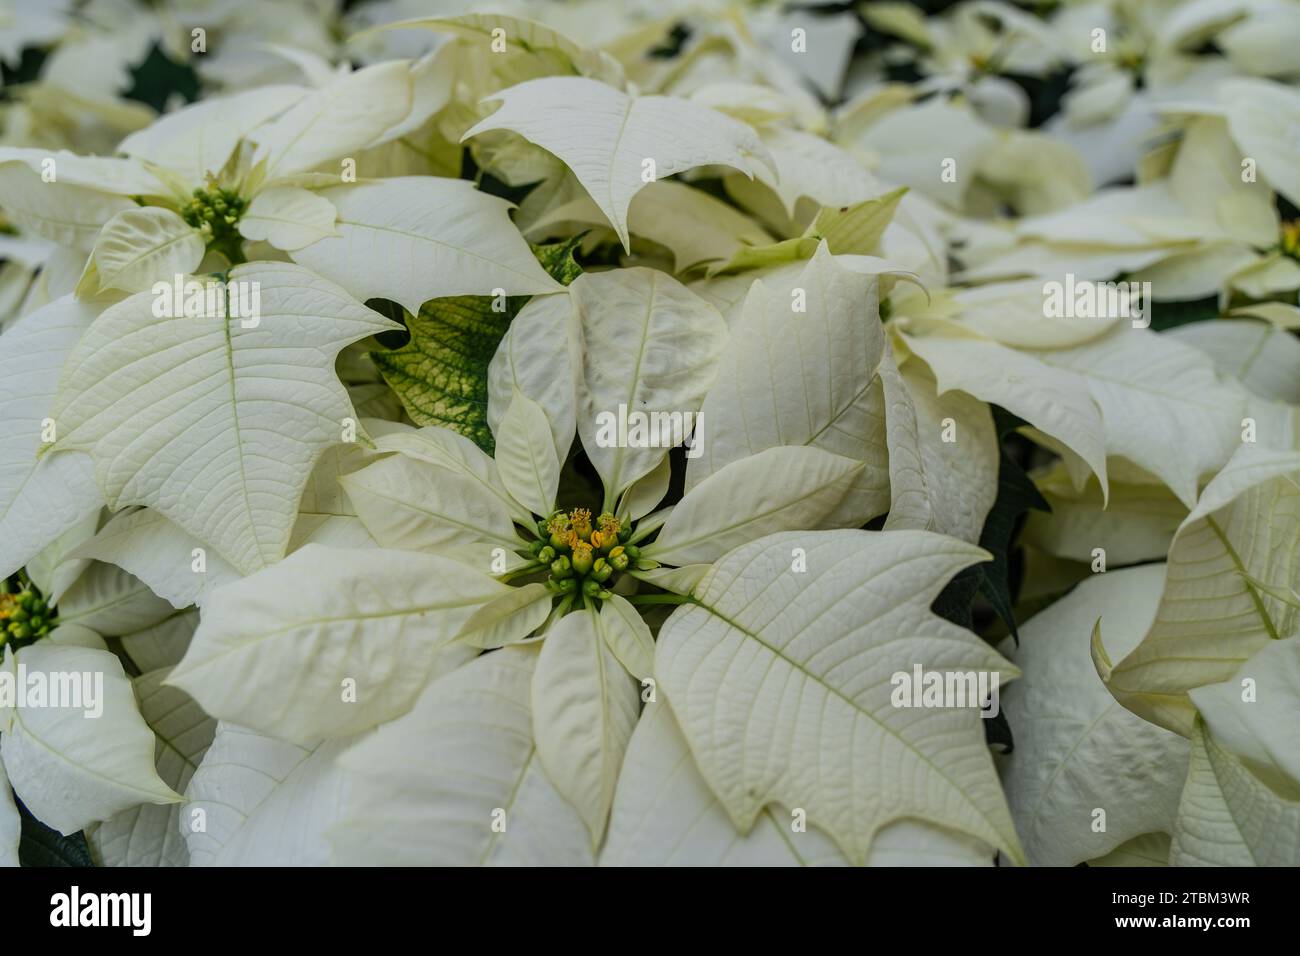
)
(591, 588)
(582, 558)
(601, 570)
(562, 567)
(567, 586)
(546, 554)
(618, 559)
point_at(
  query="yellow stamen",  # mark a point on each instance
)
(580, 521)
(1291, 238)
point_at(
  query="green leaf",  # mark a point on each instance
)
(557, 259)
(856, 229)
(441, 373)
(42, 846)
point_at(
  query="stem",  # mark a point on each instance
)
(557, 612)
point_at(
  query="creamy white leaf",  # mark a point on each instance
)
(330, 641)
(786, 488)
(415, 238)
(773, 670)
(1076, 749)
(612, 141)
(651, 348)
(39, 500)
(457, 781)
(288, 217)
(262, 801)
(68, 767)
(585, 706)
(141, 245)
(218, 422)
(150, 835)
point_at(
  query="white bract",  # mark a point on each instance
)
(597, 434)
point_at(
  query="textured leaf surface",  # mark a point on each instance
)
(585, 706)
(1076, 748)
(214, 424)
(1230, 559)
(416, 238)
(426, 788)
(665, 815)
(277, 650)
(69, 769)
(790, 377)
(772, 671)
(651, 346)
(1229, 817)
(262, 801)
(150, 835)
(606, 136)
(39, 499)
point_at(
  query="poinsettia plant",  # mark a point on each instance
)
(690, 433)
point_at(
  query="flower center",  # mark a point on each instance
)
(24, 613)
(215, 212)
(583, 558)
(1290, 244)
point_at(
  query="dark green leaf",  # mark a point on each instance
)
(41, 846)
(992, 579)
(1016, 495)
(557, 259)
(440, 374)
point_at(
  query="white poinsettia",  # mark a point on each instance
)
(107, 387)
(544, 434)
(1076, 749)
(1123, 392)
(1229, 590)
(212, 175)
(968, 48)
(74, 747)
(487, 560)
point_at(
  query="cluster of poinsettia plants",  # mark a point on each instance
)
(651, 433)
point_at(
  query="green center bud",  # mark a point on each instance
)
(24, 614)
(584, 555)
(215, 211)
